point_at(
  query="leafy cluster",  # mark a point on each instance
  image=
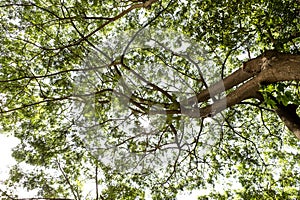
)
(100, 95)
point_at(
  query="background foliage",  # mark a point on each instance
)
(62, 87)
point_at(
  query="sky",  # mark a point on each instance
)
(6, 145)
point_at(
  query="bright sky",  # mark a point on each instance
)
(6, 144)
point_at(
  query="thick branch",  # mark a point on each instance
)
(275, 67)
(270, 67)
(283, 67)
(290, 118)
(249, 70)
(234, 79)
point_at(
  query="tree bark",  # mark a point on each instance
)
(270, 67)
(290, 118)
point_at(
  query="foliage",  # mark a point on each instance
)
(85, 86)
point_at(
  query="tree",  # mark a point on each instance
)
(160, 94)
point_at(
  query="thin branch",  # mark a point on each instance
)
(56, 99)
(43, 199)
(74, 192)
(58, 73)
(84, 38)
(96, 180)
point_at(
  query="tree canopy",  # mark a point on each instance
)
(110, 99)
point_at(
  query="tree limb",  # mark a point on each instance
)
(289, 117)
(270, 67)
